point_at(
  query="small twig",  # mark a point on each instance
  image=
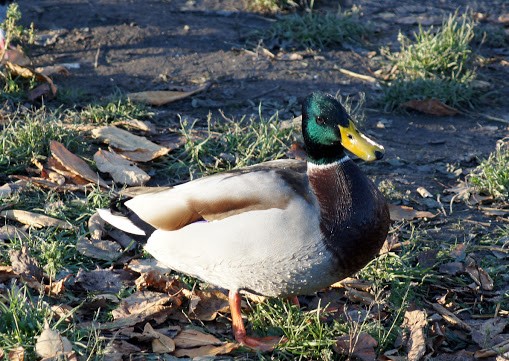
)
(96, 60)
(450, 317)
(487, 116)
(496, 350)
(357, 75)
(266, 92)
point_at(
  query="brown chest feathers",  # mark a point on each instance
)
(354, 216)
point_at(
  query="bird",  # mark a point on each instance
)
(281, 228)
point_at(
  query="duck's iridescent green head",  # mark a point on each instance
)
(328, 130)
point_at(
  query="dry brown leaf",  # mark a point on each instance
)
(19, 70)
(162, 282)
(16, 354)
(146, 265)
(99, 249)
(75, 164)
(54, 177)
(399, 213)
(143, 306)
(204, 305)
(96, 227)
(171, 141)
(163, 97)
(53, 69)
(50, 185)
(35, 219)
(56, 288)
(41, 91)
(59, 168)
(459, 252)
(123, 239)
(63, 311)
(503, 19)
(26, 72)
(160, 342)
(452, 268)
(51, 344)
(6, 273)
(16, 56)
(99, 281)
(484, 335)
(116, 349)
(25, 265)
(133, 147)
(9, 232)
(121, 170)
(5, 190)
(415, 321)
(2, 353)
(431, 106)
(360, 345)
(478, 274)
(190, 338)
(208, 350)
(145, 126)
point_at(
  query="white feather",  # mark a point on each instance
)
(120, 222)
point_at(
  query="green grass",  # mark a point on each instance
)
(117, 109)
(22, 319)
(14, 88)
(314, 30)
(27, 135)
(226, 144)
(492, 175)
(55, 249)
(434, 64)
(309, 335)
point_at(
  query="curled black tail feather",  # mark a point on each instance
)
(118, 207)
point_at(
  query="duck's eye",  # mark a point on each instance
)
(320, 120)
(350, 136)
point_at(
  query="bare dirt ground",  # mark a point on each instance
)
(157, 45)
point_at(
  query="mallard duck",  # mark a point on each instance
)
(280, 228)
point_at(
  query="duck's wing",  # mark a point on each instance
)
(264, 186)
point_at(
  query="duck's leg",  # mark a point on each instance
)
(239, 330)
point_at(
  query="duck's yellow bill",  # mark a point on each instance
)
(359, 144)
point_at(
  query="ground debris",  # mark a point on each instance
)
(361, 346)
